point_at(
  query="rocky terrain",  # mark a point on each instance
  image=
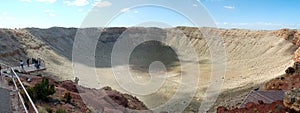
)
(274, 107)
(111, 100)
(287, 82)
(291, 99)
(252, 57)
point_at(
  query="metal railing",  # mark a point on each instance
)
(15, 75)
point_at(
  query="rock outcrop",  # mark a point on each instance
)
(292, 36)
(292, 99)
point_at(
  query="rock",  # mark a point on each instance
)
(221, 109)
(249, 105)
(69, 85)
(297, 55)
(118, 98)
(292, 99)
(260, 102)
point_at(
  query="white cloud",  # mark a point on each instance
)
(213, 0)
(4, 16)
(77, 2)
(49, 12)
(102, 4)
(125, 9)
(50, 1)
(229, 7)
(7, 18)
(136, 12)
(195, 5)
(257, 25)
(25, 0)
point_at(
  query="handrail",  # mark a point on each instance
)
(22, 101)
(21, 98)
(34, 107)
(25, 91)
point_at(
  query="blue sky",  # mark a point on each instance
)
(249, 14)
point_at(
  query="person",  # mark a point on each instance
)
(27, 62)
(36, 64)
(22, 64)
(39, 61)
(32, 60)
(76, 80)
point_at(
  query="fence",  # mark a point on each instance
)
(14, 76)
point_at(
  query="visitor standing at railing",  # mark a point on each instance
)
(22, 64)
(27, 61)
(32, 60)
(39, 61)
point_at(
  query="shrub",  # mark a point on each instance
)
(278, 107)
(49, 110)
(60, 110)
(31, 92)
(67, 97)
(290, 70)
(41, 109)
(43, 89)
(39, 75)
(255, 110)
(10, 82)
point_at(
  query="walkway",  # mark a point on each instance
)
(14, 104)
(267, 96)
(5, 101)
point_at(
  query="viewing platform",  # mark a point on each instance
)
(27, 69)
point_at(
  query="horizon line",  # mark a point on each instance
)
(232, 28)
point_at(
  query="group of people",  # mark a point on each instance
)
(37, 62)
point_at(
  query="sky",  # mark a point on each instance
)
(246, 14)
